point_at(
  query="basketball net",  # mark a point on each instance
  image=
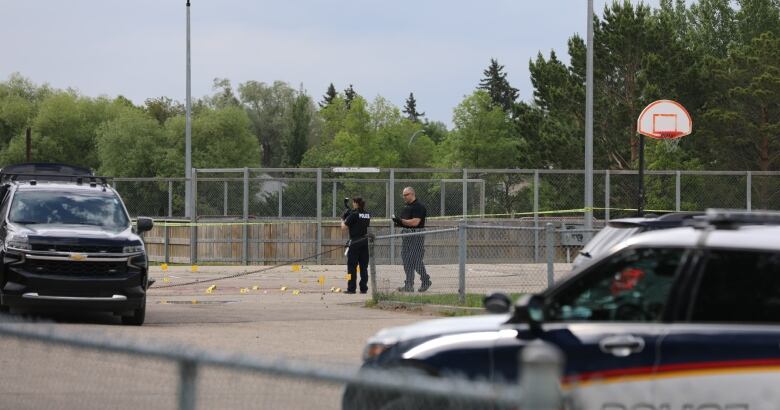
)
(671, 144)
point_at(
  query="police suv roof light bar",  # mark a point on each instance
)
(731, 219)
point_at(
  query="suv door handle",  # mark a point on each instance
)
(622, 345)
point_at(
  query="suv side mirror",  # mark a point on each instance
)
(144, 224)
(497, 303)
(529, 309)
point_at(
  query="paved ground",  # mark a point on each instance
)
(290, 312)
(306, 321)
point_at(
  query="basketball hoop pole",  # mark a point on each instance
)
(641, 199)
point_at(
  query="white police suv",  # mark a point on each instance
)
(684, 318)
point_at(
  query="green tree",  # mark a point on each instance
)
(483, 136)
(330, 94)
(410, 109)
(349, 96)
(301, 117)
(747, 115)
(221, 138)
(163, 108)
(64, 130)
(19, 101)
(131, 145)
(269, 109)
(496, 84)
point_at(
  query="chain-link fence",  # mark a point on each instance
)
(47, 367)
(307, 193)
(264, 216)
(460, 264)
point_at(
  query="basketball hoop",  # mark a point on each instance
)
(664, 119)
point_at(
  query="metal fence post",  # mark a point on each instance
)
(245, 230)
(166, 242)
(749, 192)
(281, 202)
(188, 391)
(170, 199)
(536, 216)
(482, 199)
(391, 211)
(372, 267)
(442, 199)
(550, 239)
(225, 199)
(677, 191)
(606, 195)
(541, 368)
(333, 213)
(465, 194)
(319, 216)
(462, 262)
(194, 217)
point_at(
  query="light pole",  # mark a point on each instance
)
(589, 123)
(414, 135)
(188, 132)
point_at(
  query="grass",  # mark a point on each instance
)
(447, 299)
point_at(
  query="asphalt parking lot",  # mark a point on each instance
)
(252, 314)
(278, 314)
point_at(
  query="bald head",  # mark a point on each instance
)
(409, 195)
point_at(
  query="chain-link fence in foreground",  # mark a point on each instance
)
(47, 367)
(470, 260)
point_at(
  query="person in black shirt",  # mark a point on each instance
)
(357, 220)
(413, 248)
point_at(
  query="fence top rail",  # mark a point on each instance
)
(417, 233)
(152, 179)
(184, 354)
(504, 227)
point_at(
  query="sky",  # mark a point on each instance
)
(436, 49)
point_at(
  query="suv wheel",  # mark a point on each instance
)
(138, 316)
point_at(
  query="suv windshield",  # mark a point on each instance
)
(50, 207)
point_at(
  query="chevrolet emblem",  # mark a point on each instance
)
(78, 256)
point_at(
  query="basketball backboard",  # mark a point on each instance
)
(664, 119)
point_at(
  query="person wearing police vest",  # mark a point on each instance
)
(412, 219)
(356, 220)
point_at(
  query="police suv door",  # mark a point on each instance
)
(727, 355)
(606, 320)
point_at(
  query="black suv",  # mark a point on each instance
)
(67, 241)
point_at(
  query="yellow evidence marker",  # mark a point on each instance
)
(255, 287)
(164, 267)
(283, 288)
(211, 289)
(194, 268)
(166, 279)
(244, 290)
(321, 279)
(296, 268)
(296, 292)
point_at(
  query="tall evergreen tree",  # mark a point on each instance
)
(496, 84)
(410, 109)
(329, 96)
(349, 96)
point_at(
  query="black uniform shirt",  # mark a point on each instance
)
(358, 221)
(414, 210)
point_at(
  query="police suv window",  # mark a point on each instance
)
(632, 285)
(738, 287)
